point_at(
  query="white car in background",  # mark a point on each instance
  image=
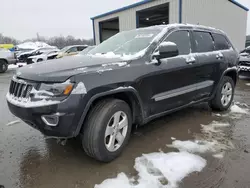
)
(43, 57)
(22, 57)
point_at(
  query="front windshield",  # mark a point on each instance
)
(127, 43)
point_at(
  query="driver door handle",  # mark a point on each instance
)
(190, 60)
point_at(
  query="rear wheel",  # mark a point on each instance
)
(107, 130)
(224, 95)
(3, 66)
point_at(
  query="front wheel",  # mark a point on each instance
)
(224, 95)
(107, 130)
(39, 60)
(3, 66)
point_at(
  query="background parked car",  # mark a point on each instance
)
(24, 55)
(43, 57)
(6, 57)
(71, 50)
(244, 62)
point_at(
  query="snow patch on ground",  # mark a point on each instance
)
(219, 155)
(214, 127)
(212, 140)
(197, 146)
(158, 170)
(80, 89)
(241, 104)
(13, 122)
(236, 109)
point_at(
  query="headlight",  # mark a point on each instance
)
(54, 90)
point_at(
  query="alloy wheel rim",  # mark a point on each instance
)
(226, 93)
(116, 131)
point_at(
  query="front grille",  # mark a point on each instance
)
(19, 88)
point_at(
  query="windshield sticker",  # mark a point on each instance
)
(144, 36)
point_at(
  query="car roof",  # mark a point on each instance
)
(186, 26)
(84, 45)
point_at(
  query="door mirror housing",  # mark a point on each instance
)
(167, 49)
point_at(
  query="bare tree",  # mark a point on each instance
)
(58, 41)
(7, 40)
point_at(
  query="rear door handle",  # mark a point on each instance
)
(219, 56)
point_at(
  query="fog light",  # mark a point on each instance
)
(50, 120)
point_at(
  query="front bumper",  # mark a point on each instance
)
(244, 70)
(65, 112)
(12, 61)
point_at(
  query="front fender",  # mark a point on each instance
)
(103, 94)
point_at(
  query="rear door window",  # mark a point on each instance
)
(203, 41)
(182, 40)
(221, 42)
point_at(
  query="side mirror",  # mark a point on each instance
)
(168, 49)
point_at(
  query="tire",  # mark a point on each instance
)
(39, 60)
(99, 123)
(216, 103)
(3, 66)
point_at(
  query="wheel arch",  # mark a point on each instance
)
(233, 74)
(5, 60)
(129, 95)
(230, 72)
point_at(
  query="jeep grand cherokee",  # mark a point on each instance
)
(130, 79)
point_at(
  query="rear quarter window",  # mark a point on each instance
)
(203, 41)
(221, 43)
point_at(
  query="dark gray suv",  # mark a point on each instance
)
(130, 79)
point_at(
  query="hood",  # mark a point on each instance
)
(25, 53)
(59, 70)
(36, 56)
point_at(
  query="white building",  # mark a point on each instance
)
(227, 15)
